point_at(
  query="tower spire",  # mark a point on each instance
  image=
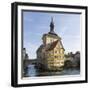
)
(52, 25)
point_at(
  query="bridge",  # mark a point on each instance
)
(31, 61)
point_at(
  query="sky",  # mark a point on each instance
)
(35, 24)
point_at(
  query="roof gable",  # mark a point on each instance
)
(53, 45)
(50, 46)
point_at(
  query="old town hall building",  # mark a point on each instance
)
(51, 53)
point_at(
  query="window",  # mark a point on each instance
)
(51, 40)
(55, 51)
(62, 57)
(56, 56)
(62, 62)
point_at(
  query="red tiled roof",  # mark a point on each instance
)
(52, 46)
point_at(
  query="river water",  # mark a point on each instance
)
(31, 71)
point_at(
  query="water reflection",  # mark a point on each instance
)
(32, 71)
